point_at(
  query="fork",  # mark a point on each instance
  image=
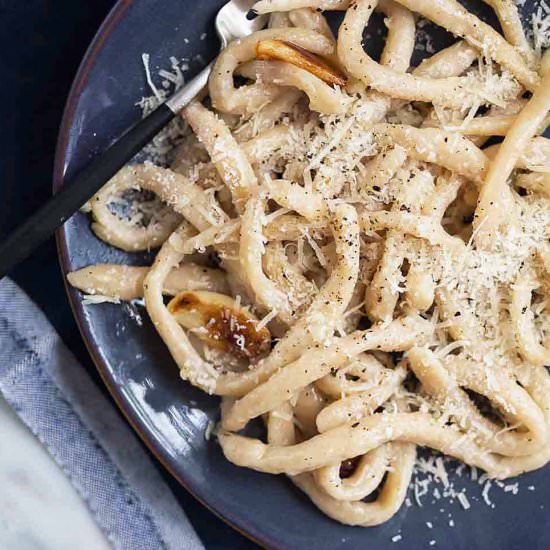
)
(234, 20)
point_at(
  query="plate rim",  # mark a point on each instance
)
(107, 27)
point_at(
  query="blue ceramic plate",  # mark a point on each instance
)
(170, 415)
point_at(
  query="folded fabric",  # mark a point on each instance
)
(54, 396)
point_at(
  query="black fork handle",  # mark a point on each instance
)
(42, 224)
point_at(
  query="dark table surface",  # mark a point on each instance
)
(41, 45)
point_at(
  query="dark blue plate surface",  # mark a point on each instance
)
(172, 416)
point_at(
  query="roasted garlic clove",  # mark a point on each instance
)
(280, 50)
(221, 323)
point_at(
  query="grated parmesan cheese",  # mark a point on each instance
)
(463, 499)
(266, 320)
(210, 428)
(485, 493)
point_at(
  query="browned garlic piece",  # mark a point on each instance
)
(221, 323)
(280, 50)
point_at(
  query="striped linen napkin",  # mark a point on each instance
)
(54, 396)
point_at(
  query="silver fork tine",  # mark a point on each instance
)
(231, 23)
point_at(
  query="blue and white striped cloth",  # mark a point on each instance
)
(54, 396)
